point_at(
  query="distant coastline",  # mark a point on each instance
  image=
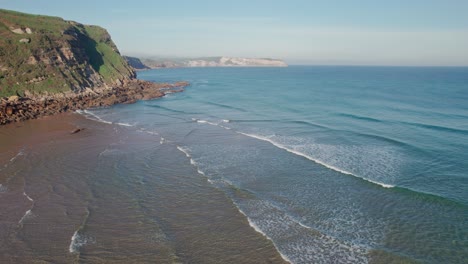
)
(146, 63)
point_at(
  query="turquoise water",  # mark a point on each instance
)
(333, 164)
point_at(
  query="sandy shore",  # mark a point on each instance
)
(109, 194)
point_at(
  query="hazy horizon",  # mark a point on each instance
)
(420, 33)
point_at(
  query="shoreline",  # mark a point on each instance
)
(17, 109)
(77, 177)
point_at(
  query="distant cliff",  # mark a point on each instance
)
(153, 63)
(47, 55)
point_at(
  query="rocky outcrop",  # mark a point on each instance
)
(15, 108)
(57, 66)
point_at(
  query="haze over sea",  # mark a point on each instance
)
(333, 164)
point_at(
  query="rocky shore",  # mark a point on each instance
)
(16, 109)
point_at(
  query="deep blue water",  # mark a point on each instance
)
(334, 164)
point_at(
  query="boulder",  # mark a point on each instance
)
(13, 98)
(17, 31)
(25, 40)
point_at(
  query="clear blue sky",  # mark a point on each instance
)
(375, 32)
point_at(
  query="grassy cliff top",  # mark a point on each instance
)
(43, 54)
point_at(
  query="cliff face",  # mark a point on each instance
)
(46, 55)
(150, 63)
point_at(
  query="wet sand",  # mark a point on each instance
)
(112, 194)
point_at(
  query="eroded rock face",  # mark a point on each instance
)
(15, 108)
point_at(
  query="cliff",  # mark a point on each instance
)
(154, 63)
(43, 55)
(49, 65)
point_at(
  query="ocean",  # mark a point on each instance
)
(331, 164)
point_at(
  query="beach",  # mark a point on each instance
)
(109, 194)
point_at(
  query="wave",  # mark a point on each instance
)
(275, 224)
(365, 118)
(201, 121)
(227, 106)
(384, 185)
(301, 122)
(125, 124)
(94, 117)
(26, 215)
(78, 240)
(438, 128)
(385, 139)
(87, 114)
(421, 125)
(28, 197)
(169, 109)
(252, 120)
(185, 151)
(148, 132)
(20, 153)
(258, 230)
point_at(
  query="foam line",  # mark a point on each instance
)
(258, 230)
(74, 244)
(28, 197)
(185, 151)
(124, 124)
(384, 185)
(96, 118)
(201, 121)
(26, 215)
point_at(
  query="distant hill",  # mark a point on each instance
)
(154, 63)
(43, 54)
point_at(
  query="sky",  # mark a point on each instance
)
(317, 32)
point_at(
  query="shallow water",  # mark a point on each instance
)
(115, 195)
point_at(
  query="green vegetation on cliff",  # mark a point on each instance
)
(42, 54)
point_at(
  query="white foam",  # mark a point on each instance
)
(193, 162)
(78, 240)
(74, 245)
(258, 230)
(20, 153)
(87, 113)
(161, 141)
(27, 196)
(26, 215)
(384, 185)
(201, 121)
(206, 122)
(125, 124)
(184, 150)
